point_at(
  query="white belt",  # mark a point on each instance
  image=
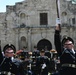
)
(69, 65)
(6, 73)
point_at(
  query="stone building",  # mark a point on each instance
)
(32, 23)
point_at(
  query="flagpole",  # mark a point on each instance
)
(58, 14)
(57, 9)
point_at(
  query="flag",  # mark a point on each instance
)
(58, 8)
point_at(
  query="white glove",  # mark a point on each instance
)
(9, 73)
(58, 21)
(43, 66)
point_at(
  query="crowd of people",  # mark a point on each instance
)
(61, 61)
(22, 62)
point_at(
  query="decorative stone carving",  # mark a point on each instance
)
(72, 6)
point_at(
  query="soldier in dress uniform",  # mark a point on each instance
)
(66, 52)
(47, 53)
(26, 61)
(42, 64)
(35, 54)
(8, 64)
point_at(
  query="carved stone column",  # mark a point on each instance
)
(29, 39)
(17, 38)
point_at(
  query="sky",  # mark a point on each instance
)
(3, 4)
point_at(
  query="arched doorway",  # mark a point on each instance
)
(43, 44)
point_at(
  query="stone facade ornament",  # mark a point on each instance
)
(72, 6)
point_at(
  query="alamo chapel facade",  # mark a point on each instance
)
(32, 23)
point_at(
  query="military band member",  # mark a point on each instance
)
(48, 54)
(8, 64)
(35, 53)
(42, 64)
(24, 56)
(66, 52)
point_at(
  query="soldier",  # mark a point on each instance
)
(26, 61)
(42, 64)
(66, 53)
(35, 53)
(48, 54)
(8, 64)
